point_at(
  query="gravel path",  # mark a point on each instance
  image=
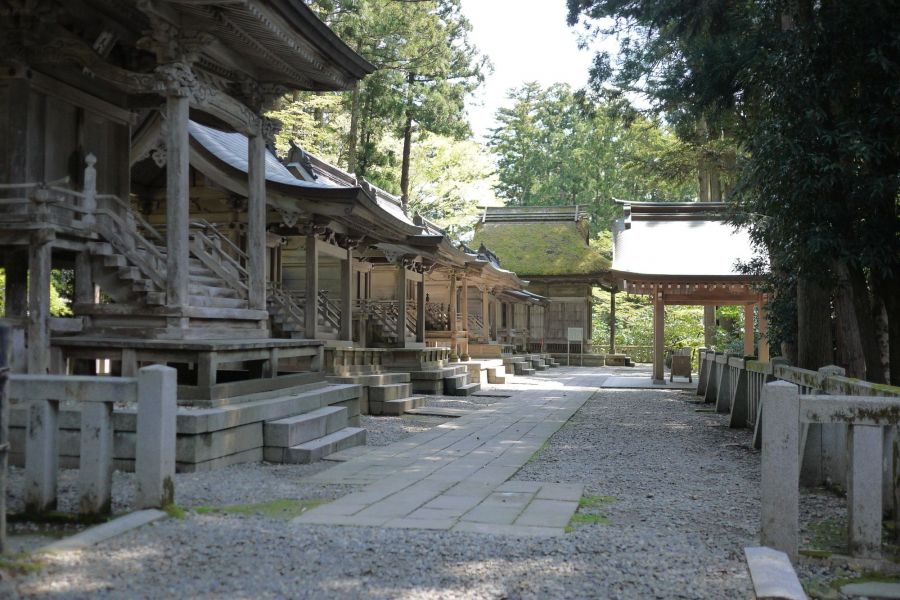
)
(674, 494)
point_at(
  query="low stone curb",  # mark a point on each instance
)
(103, 532)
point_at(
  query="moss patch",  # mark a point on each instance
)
(583, 517)
(537, 452)
(285, 509)
(174, 511)
(20, 563)
(554, 248)
(866, 577)
(594, 501)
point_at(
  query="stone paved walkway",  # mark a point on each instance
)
(454, 477)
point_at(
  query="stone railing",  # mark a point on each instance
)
(153, 390)
(869, 420)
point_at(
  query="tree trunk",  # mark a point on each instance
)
(814, 340)
(882, 337)
(862, 304)
(354, 130)
(886, 290)
(715, 185)
(848, 335)
(709, 326)
(407, 144)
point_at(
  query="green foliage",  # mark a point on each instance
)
(61, 292)
(449, 180)
(555, 146)
(317, 122)
(284, 509)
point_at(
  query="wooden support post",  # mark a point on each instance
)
(155, 446)
(780, 468)
(527, 326)
(177, 201)
(464, 317)
(39, 307)
(612, 322)
(207, 365)
(748, 330)
(495, 321)
(864, 493)
(347, 297)
(401, 305)
(485, 315)
(709, 326)
(452, 309)
(311, 312)
(420, 310)
(84, 281)
(41, 455)
(5, 364)
(659, 342)
(763, 353)
(96, 459)
(256, 221)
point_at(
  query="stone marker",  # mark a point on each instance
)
(155, 447)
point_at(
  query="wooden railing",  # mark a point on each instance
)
(329, 311)
(153, 391)
(220, 255)
(437, 316)
(385, 314)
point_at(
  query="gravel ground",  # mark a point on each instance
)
(675, 496)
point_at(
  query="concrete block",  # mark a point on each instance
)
(780, 467)
(41, 456)
(96, 459)
(864, 493)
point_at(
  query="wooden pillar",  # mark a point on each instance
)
(612, 322)
(659, 354)
(748, 330)
(401, 305)
(485, 315)
(39, 307)
(177, 207)
(312, 287)
(495, 320)
(527, 325)
(763, 354)
(464, 316)
(452, 309)
(347, 297)
(464, 305)
(420, 310)
(256, 221)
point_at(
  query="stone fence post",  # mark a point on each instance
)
(155, 451)
(780, 468)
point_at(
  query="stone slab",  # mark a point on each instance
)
(872, 589)
(772, 575)
(103, 532)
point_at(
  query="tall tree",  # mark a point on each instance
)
(810, 91)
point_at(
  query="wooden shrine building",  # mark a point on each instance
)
(685, 253)
(550, 247)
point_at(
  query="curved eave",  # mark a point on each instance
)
(307, 23)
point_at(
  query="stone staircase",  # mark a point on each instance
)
(310, 436)
(388, 394)
(444, 380)
(519, 365)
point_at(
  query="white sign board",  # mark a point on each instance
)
(576, 334)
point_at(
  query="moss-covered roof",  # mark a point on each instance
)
(554, 248)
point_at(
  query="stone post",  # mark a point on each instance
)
(748, 330)
(177, 201)
(420, 310)
(41, 455)
(347, 296)
(256, 221)
(864, 493)
(96, 458)
(780, 468)
(659, 348)
(155, 447)
(311, 312)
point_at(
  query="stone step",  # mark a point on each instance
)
(451, 384)
(496, 375)
(389, 391)
(439, 411)
(395, 408)
(306, 427)
(371, 379)
(319, 448)
(540, 366)
(467, 389)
